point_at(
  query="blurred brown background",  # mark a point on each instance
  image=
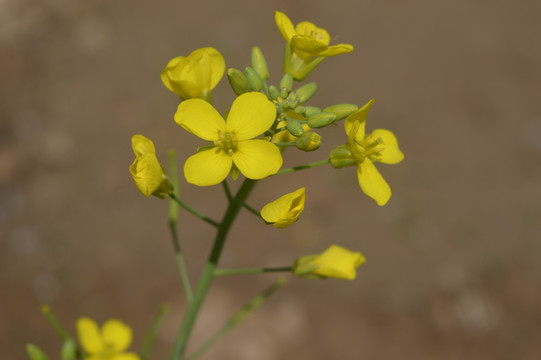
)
(453, 268)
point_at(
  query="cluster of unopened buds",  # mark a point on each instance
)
(250, 139)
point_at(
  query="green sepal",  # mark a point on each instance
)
(295, 127)
(69, 350)
(286, 83)
(341, 110)
(238, 81)
(35, 353)
(311, 110)
(255, 81)
(234, 172)
(274, 93)
(305, 92)
(259, 63)
(320, 120)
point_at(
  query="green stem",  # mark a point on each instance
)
(301, 167)
(239, 316)
(252, 210)
(208, 272)
(207, 96)
(150, 337)
(194, 212)
(244, 271)
(226, 190)
(173, 221)
(59, 329)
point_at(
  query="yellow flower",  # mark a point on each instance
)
(336, 262)
(251, 115)
(196, 75)
(108, 343)
(379, 146)
(285, 210)
(147, 172)
(305, 41)
(308, 38)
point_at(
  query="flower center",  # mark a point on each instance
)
(371, 148)
(227, 142)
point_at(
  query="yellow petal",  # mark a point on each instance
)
(211, 66)
(337, 50)
(142, 145)
(360, 117)
(208, 167)
(257, 159)
(285, 210)
(147, 174)
(338, 262)
(89, 336)
(309, 45)
(372, 183)
(200, 118)
(251, 115)
(126, 356)
(391, 154)
(316, 33)
(284, 25)
(116, 335)
(182, 77)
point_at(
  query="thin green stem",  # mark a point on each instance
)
(302, 167)
(173, 221)
(244, 271)
(150, 337)
(252, 210)
(194, 212)
(238, 317)
(226, 190)
(208, 272)
(59, 329)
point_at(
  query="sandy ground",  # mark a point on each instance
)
(453, 267)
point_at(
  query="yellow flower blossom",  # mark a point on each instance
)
(285, 210)
(196, 75)
(108, 343)
(379, 146)
(336, 262)
(251, 115)
(147, 172)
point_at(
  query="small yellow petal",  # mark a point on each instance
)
(251, 115)
(147, 174)
(337, 50)
(181, 76)
(310, 30)
(257, 159)
(89, 336)
(208, 167)
(372, 183)
(142, 145)
(116, 335)
(309, 45)
(285, 210)
(284, 25)
(391, 154)
(211, 66)
(338, 262)
(200, 118)
(360, 117)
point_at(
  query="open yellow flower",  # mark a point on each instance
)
(146, 170)
(108, 343)
(379, 146)
(196, 75)
(251, 115)
(336, 262)
(285, 210)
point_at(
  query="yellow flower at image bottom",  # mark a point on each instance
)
(108, 343)
(251, 115)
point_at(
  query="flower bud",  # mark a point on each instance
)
(336, 262)
(295, 127)
(285, 210)
(305, 92)
(273, 92)
(320, 120)
(309, 141)
(255, 81)
(299, 110)
(311, 110)
(237, 80)
(35, 353)
(341, 157)
(286, 83)
(69, 350)
(341, 110)
(259, 63)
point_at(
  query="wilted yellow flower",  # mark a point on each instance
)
(251, 115)
(147, 172)
(285, 210)
(379, 146)
(108, 343)
(336, 262)
(196, 75)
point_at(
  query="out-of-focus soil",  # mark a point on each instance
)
(453, 268)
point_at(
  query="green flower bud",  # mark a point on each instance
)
(255, 81)
(309, 141)
(69, 350)
(341, 110)
(273, 92)
(286, 83)
(305, 92)
(259, 63)
(237, 80)
(320, 120)
(35, 353)
(311, 110)
(283, 93)
(299, 110)
(278, 107)
(341, 157)
(295, 127)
